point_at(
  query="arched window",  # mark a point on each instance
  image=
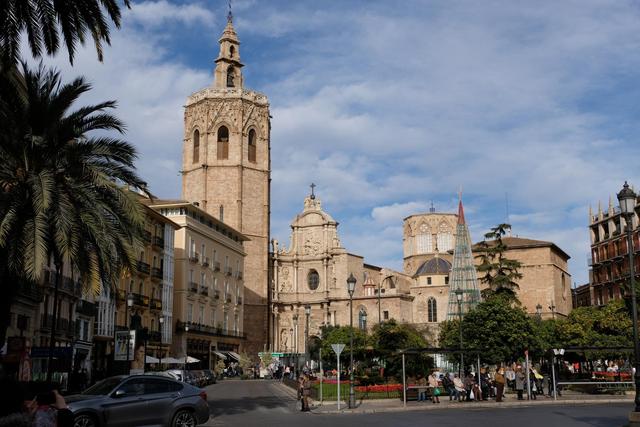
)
(424, 240)
(445, 240)
(252, 145)
(432, 310)
(230, 76)
(223, 143)
(232, 51)
(196, 146)
(362, 319)
(313, 280)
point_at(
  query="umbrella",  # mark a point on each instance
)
(151, 359)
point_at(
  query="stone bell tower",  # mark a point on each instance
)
(226, 168)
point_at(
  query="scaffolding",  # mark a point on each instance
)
(463, 272)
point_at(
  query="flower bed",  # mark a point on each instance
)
(382, 388)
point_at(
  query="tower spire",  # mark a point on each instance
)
(228, 72)
(229, 14)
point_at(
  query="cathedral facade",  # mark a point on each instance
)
(226, 171)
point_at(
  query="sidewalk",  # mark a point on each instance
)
(395, 405)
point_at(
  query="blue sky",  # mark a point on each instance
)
(388, 106)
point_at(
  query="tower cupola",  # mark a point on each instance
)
(228, 73)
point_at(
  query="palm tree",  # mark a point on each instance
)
(43, 21)
(62, 192)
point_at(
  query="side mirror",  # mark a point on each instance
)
(119, 393)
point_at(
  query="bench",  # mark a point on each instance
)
(412, 391)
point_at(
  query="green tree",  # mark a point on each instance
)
(498, 272)
(390, 337)
(46, 22)
(62, 192)
(340, 335)
(495, 329)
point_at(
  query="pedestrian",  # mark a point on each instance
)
(306, 392)
(458, 386)
(447, 384)
(533, 388)
(510, 376)
(519, 380)
(422, 388)
(301, 390)
(469, 382)
(500, 382)
(434, 385)
(485, 381)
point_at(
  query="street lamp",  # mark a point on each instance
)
(128, 320)
(295, 340)
(539, 311)
(458, 293)
(627, 199)
(161, 323)
(556, 352)
(307, 313)
(186, 343)
(351, 287)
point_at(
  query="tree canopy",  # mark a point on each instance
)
(391, 336)
(498, 272)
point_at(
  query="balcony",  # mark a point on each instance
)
(86, 308)
(143, 267)
(156, 273)
(216, 294)
(155, 304)
(208, 330)
(204, 290)
(228, 271)
(193, 287)
(227, 298)
(194, 257)
(146, 236)
(239, 275)
(205, 261)
(216, 266)
(158, 242)
(140, 300)
(154, 336)
(63, 326)
(239, 300)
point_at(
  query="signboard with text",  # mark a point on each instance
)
(121, 345)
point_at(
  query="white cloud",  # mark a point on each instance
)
(154, 14)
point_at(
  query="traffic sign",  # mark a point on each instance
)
(337, 348)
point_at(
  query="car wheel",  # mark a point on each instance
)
(184, 418)
(84, 420)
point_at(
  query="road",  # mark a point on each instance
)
(266, 403)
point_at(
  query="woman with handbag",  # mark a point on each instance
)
(435, 390)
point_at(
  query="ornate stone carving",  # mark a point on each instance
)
(285, 280)
(312, 244)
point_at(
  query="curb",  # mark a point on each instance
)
(487, 405)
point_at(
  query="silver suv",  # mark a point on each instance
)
(139, 400)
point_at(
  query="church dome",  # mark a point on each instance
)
(434, 266)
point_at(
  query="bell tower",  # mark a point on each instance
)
(226, 168)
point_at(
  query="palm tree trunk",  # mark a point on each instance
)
(54, 320)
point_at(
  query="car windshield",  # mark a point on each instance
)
(103, 387)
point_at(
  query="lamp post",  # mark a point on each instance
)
(161, 323)
(307, 313)
(295, 340)
(627, 199)
(351, 287)
(184, 373)
(458, 293)
(539, 311)
(128, 320)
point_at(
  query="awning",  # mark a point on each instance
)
(233, 355)
(172, 360)
(151, 359)
(220, 355)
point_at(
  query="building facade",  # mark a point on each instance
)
(226, 170)
(208, 293)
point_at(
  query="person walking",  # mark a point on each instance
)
(433, 384)
(306, 392)
(520, 378)
(500, 381)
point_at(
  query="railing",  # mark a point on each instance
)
(156, 272)
(155, 304)
(239, 275)
(204, 290)
(205, 261)
(193, 287)
(216, 266)
(87, 308)
(228, 271)
(143, 267)
(158, 241)
(146, 236)
(141, 300)
(194, 257)
(208, 330)
(63, 326)
(216, 294)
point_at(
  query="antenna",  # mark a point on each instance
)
(432, 209)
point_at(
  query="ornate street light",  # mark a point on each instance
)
(307, 313)
(458, 293)
(161, 323)
(186, 347)
(128, 320)
(627, 199)
(351, 287)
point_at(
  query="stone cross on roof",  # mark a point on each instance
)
(313, 186)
